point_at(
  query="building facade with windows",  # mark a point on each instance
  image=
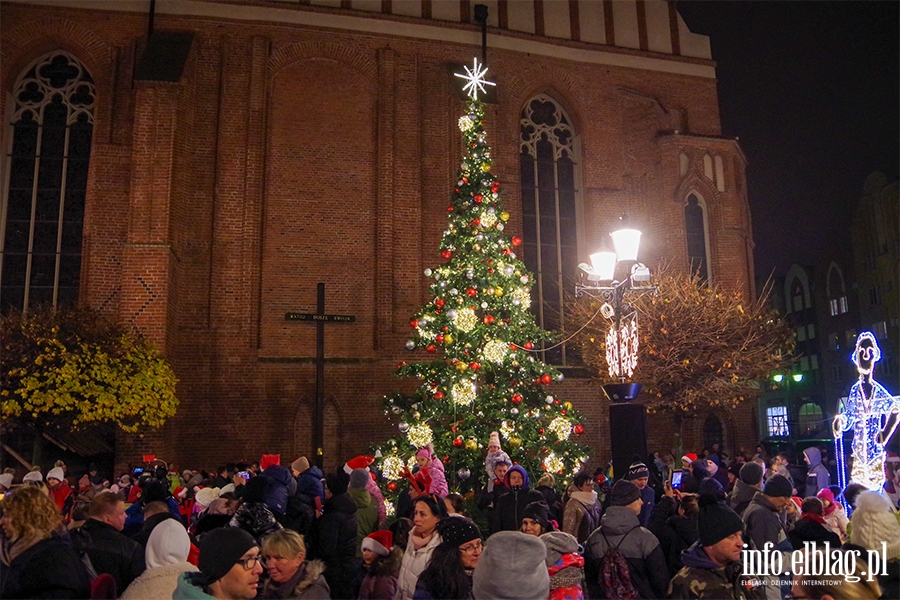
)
(199, 182)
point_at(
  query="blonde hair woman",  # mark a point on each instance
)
(290, 574)
(37, 563)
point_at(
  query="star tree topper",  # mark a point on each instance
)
(475, 79)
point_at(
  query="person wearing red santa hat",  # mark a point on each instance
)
(363, 462)
(382, 564)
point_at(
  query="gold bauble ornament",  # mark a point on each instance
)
(515, 442)
(498, 292)
(567, 405)
(448, 339)
(486, 167)
(471, 445)
(417, 415)
(461, 366)
(504, 216)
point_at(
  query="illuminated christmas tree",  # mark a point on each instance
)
(475, 345)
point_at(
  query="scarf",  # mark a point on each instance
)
(420, 542)
(15, 548)
(813, 517)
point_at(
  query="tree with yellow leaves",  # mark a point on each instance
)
(700, 345)
(68, 367)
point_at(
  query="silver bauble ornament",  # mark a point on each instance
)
(514, 411)
(396, 410)
(403, 426)
(410, 345)
(464, 474)
(427, 272)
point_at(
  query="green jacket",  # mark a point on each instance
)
(188, 589)
(701, 578)
(366, 516)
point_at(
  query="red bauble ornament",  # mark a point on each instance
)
(438, 395)
(506, 252)
(446, 459)
(516, 398)
(488, 319)
(439, 302)
(516, 241)
(445, 329)
(474, 366)
(578, 429)
(541, 431)
(439, 338)
(563, 412)
(546, 379)
(513, 347)
(446, 254)
(450, 208)
(400, 365)
(414, 323)
(529, 345)
(478, 197)
(471, 292)
(392, 486)
(495, 186)
(457, 442)
(431, 348)
(465, 180)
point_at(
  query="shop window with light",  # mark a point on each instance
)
(47, 165)
(695, 228)
(811, 419)
(777, 421)
(550, 184)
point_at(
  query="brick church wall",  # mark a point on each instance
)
(293, 154)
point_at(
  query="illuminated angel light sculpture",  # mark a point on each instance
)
(872, 413)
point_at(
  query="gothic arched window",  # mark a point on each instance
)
(549, 187)
(47, 166)
(695, 226)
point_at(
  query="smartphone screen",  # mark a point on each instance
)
(138, 470)
(244, 474)
(676, 479)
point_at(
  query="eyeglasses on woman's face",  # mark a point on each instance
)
(475, 546)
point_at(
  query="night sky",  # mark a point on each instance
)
(811, 89)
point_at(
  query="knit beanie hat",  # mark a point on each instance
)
(458, 531)
(735, 469)
(205, 496)
(268, 460)
(56, 473)
(778, 486)
(538, 511)
(301, 464)
(358, 479)
(220, 549)
(623, 493)
(6, 480)
(32, 476)
(716, 521)
(637, 470)
(512, 567)
(338, 483)
(873, 522)
(826, 495)
(494, 440)
(712, 487)
(559, 543)
(751, 473)
(379, 542)
(427, 452)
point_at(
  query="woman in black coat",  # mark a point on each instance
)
(332, 538)
(37, 561)
(509, 508)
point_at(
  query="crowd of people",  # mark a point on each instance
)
(267, 530)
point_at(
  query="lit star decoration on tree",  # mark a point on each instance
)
(474, 343)
(475, 83)
(873, 415)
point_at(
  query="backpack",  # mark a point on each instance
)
(614, 576)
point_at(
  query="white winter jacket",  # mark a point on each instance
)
(158, 582)
(414, 562)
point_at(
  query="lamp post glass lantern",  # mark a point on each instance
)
(598, 282)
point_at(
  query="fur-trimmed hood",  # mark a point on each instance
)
(310, 573)
(386, 565)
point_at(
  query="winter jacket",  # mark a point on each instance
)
(309, 485)
(159, 582)
(702, 578)
(414, 562)
(135, 515)
(764, 525)
(566, 575)
(113, 553)
(378, 499)
(581, 515)
(837, 521)
(366, 516)
(641, 550)
(143, 535)
(675, 532)
(380, 582)
(64, 498)
(189, 588)
(648, 497)
(332, 539)
(741, 496)
(551, 498)
(817, 477)
(50, 568)
(811, 528)
(507, 514)
(279, 479)
(438, 479)
(690, 482)
(307, 583)
(256, 519)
